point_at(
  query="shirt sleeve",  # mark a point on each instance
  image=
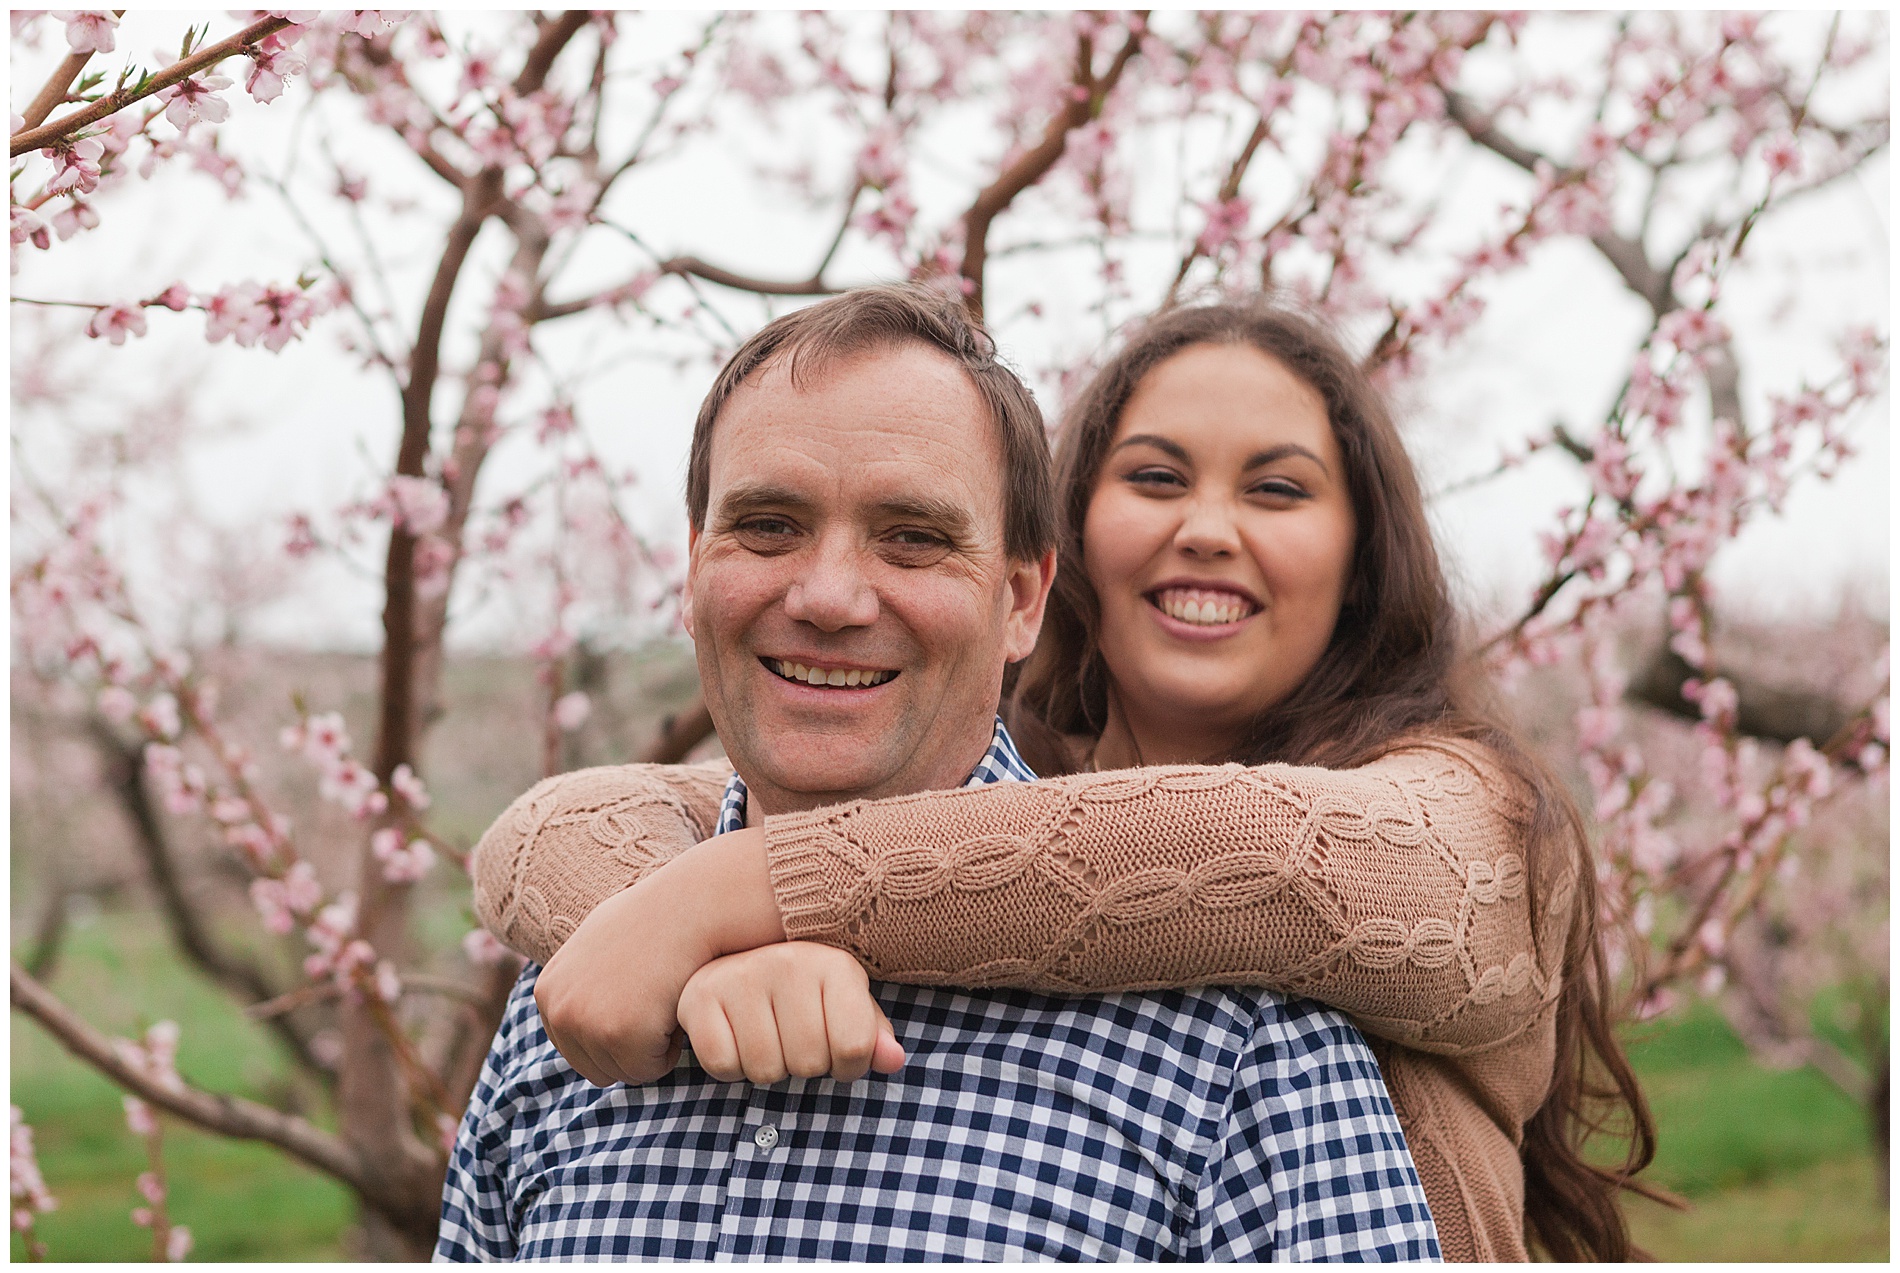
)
(1310, 1163)
(477, 1224)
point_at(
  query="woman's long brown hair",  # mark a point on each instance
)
(1392, 672)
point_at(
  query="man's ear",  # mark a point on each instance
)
(686, 588)
(1029, 583)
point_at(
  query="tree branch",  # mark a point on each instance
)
(1625, 255)
(679, 734)
(176, 73)
(1085, 102)
(56, 87)
(1765, 711)
(215, 1112)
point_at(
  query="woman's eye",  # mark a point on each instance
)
(1156, 478)
(1279, 488)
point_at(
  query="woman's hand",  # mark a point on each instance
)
(609, 997)
(796, 1009)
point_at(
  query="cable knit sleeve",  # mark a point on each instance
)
(574, 840)
(1396, 892)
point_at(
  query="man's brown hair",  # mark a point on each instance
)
(874, 318)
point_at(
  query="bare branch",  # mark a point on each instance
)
(112, 103)
(56, 87)
(215, 1112)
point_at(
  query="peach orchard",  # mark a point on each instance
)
(1059, 173)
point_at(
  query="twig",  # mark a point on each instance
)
(176, 73)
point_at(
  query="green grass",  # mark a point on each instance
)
(1776, 1165)
(241, 1200)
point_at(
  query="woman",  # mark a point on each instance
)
(1247, 576)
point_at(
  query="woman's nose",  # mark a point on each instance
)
(1207, 531)
(832, 592)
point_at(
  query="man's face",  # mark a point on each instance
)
(854, 537)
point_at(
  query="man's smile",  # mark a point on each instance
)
(829, 677)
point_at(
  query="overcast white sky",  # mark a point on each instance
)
(309, 428)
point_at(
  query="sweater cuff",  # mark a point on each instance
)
(799, 847)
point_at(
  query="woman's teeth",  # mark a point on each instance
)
(1202, 607)
(851, 678)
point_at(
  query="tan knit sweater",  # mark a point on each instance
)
(1395, 892)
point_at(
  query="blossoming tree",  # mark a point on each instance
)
(1010, 158)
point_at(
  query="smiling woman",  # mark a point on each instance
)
(1217, 543)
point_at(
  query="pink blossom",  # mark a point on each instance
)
(388, 983)
(196, 99)
(571, 710)
(116, 704)
(1691, 330)
(150, 1189)
(178, 1243)
(1226, 222)
(434, 556)
(25, 1184)
(139, 1117)
(174, 298)
(324, 737)
(409, 787)
(482, 948)
(354, 787)
(556, 422)
(160, 716)
(76, 165)
(420, 503)
(370, 23)
(1782, 154)
(115, 322)
(1596, 147)
(77, 215)
(272, 62)
(88, 30)
(273, 905)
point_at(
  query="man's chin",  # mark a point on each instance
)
(804, 773)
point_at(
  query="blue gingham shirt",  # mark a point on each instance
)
(1208, 1124)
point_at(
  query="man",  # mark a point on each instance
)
(874, 507)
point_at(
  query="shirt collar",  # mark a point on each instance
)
(1001, 763)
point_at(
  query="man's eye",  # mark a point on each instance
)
(915, 547)
(766, 531)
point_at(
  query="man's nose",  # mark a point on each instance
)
(832, 590)
(1207, 529)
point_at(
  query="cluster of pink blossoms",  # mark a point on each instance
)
(25, 1185)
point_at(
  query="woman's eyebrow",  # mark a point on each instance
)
(1174, 450)
(1281, 452)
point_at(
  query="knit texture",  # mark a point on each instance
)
(1397, 892)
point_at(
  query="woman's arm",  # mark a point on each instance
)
(1396, 892)
(574, 840)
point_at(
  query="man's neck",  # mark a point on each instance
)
(764, 799)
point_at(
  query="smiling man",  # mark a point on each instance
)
(872, 544)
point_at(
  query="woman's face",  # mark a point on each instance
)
(1218, 540)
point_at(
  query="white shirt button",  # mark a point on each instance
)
(765, 1137)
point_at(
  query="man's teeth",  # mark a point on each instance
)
(1208, 609)
(851, 678)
